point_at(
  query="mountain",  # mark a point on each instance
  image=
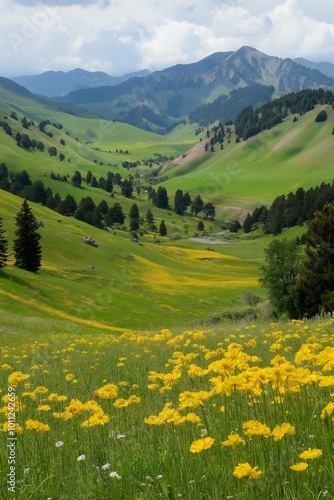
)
(324, 67)
(60, 83)
(162, 99)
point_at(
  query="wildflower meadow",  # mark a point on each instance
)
(236, 412)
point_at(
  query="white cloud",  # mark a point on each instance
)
(122, 35)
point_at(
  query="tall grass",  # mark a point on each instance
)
(222, 413)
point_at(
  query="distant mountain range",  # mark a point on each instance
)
(60, 83)
(324, 67)
(159, 100)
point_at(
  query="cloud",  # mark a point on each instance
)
(122, 35)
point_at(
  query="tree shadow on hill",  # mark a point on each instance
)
(14, 279)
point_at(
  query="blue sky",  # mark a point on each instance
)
(120, 36)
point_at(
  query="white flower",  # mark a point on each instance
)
(26, 471)
(81, 457)
(114, 474)
(160, 476)
(204, 432)
(120, 436)
(59, 444)
(105, 466)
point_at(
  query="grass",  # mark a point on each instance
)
(158, 415)
(254, 172)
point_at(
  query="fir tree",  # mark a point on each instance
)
(3, 246)
(27, 247)
(162, 229)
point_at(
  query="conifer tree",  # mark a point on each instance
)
(315, 281)
(3, 246)
(162, 229)
(27, 247)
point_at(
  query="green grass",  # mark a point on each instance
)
(251, 173)
(171, 392)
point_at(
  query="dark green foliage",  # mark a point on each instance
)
(278, 274)
(209, 211)
(321, 116)
(52, 150)
(3, 246)
(200, 225)
(197, 205)
(115, 215)
(127, 188)
(161, 198)
(68, 206)
(235, 226)
(181, 202)
(315, 281)
(162, 228)
(76, 179)
(89, 176)
(134, 217)
(247, 225)
(149, 217)
(226, 108)
(27, 247)
(61, 157)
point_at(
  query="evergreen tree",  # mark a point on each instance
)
(247, 225)
(315, 281)
(161, 198)
(197, 205)
(27, 247)
(76, 179)
(162, 228)
(209, 211)
(127, 188)
(200, 225)
(115, 215)
(278, 274)
(3, 246)
(134, 217)
(149, 217)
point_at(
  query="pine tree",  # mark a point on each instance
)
(162, 229)
(3, 246)
(27, 247)
(315, 281)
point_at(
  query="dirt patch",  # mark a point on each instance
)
(185, 158)
(208, 241)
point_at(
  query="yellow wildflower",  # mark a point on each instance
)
(233, 440)
(310, 454)
(246, 470)
(201, 444)
(35, 425)
(16, 377)
(300, 467)
(43, 408)
(280, 430)
(108, 391)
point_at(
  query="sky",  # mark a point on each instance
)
(121, 36)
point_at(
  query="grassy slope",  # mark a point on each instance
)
(147, 286)
(132, 286)
(250, 173)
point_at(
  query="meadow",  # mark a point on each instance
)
(239, 411)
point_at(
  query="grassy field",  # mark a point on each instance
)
(235, 412)
(254, 172)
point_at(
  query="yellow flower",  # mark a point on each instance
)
(193, 399)
(327, 411)
(30, 395)
(6, 367)
(121, 403)
(280, 430)
(310, 454)
(255, 428)
(16, 377)
(233, 440)
(108, 391)
(54, 397)
(246, 470)
(17, 428)
(35, 425)
(201, 444)
(99, 418)
(43, 408)
(70, 377)
(300, 467)
(41, 390)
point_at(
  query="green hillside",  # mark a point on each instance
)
(254, 172)
(175, 280)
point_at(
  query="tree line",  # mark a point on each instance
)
(251, 121)
(302, 285)
(292, 210)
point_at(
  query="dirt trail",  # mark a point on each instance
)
(188, 156)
